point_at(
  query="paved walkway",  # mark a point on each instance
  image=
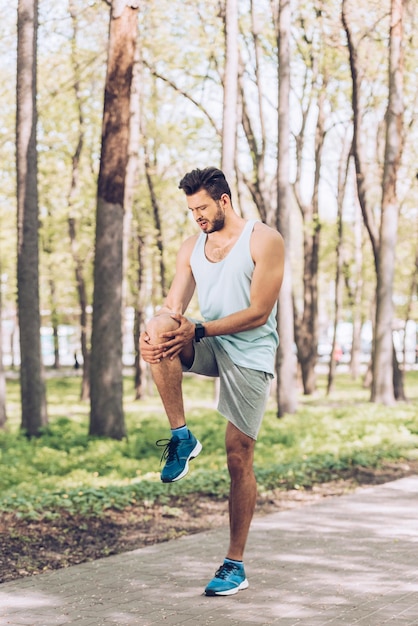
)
(344, 561)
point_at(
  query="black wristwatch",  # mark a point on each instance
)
(199, 332)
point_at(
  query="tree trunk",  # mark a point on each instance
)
(261, 193)
(140, 366)
(360, 158)
(383, 240)
(157, 223)
(230, 84)
(34, 415)
(47, 248)
(306, 321)
(54, 323)
(306, 324)
(342, 183)
(356, 295)
(306, 327)
(72, 223)
(106, 413)
(398, 378)
(286, 358)
(3, 414)
(130, 237)
(412, 293)
(383, 371)
(83, 303)
(149, 167)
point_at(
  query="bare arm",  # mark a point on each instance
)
(183, 285)
(152, 343)
(267, 249)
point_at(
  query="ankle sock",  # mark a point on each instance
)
(226, 560)
(182, 432)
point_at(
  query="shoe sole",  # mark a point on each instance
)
(229, 592)
(193, 454)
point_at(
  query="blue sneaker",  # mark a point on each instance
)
(229, 579)
(177, 454)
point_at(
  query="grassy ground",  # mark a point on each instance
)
(65, 497)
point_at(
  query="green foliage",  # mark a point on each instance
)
(67, 469)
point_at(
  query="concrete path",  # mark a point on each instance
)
(347, 560)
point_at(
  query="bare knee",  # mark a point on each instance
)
(160, 324)
(239, 464)
(240, 456)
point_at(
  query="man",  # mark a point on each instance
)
(237, 267)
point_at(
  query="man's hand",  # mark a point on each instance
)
(176, 340)
(168, 344)
(149, 352)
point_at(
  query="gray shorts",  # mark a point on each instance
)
(243, 392)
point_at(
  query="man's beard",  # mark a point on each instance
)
(218, 221)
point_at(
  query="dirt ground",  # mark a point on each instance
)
(33, 547)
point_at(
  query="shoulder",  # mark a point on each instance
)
(266, 241)
(190, 242)
(187, 247)
(263, 230)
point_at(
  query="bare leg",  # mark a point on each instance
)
(243, 490)
(168, 373)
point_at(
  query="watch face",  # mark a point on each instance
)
(199, 332)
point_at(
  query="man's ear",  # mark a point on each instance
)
(225, 201)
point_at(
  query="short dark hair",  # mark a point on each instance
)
(211, 179)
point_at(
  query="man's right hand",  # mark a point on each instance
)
(150, 353)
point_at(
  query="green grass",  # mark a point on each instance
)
(65, 468)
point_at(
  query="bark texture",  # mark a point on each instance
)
(34, 415)
(106, 380)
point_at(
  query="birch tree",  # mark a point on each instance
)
(286, 359)
(382, 386)
(382, 235)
